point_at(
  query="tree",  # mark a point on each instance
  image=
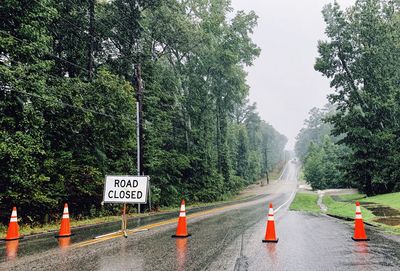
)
(323, 165)
(68, 102)
(314, 131)
(359, 59)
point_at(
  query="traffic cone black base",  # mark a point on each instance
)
(179, 236)
(12, 239)
(359, 240)
(62, 236)
(271, 241)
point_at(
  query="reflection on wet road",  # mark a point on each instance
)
(181, 251)
(228, 239)
(12, 250)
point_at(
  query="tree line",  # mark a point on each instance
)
(70, 75)
(320, 152)
(361, 57)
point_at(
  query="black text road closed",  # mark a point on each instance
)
(126, 189)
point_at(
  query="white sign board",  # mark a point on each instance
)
(126, 189)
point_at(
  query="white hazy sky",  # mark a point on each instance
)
(282, 80)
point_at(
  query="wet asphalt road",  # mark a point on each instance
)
(228, 239)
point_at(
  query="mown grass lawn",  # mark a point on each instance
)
(345, 209)
(344, 206)
(392, 200)
(305, 202)
(352, 197)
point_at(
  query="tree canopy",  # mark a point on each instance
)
(361, 57)
(68, 93)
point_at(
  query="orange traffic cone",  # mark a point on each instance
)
(13, 229)
(181, 230)
(65, 230)
(270, 235)
(359, 231)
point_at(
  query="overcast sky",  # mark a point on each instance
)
(282, 81)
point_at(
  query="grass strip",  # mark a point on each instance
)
(345, 209)
(305, 202)
(352, 197)
(391, 200)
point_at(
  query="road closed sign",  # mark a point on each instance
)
(126, 189)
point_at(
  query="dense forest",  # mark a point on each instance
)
(71, 73)
(320, 152)
(355, 141)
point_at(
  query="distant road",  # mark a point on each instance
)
(227, 238)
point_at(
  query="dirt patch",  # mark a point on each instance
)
(337, 198)
(340, 191)
(378, 210)
(364, 203)
(391, 221)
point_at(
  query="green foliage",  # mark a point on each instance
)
(322, 158)
(314, 131)
(361, 57)
(322, 165)
(68, 106)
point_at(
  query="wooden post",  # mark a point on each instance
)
(139, 108)
(124, 221)
(91, 40)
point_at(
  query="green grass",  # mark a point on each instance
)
(305, 202)
(352, 197)
(345, 209)
(391, 200)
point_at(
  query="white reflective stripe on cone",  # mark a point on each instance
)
(271, 211)
(65, 210)
(65, 216)
(13, 219)
(358, 209)
(14, 213)
(183, 207)
(358, 216)
(271, 218)
(182, 214)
